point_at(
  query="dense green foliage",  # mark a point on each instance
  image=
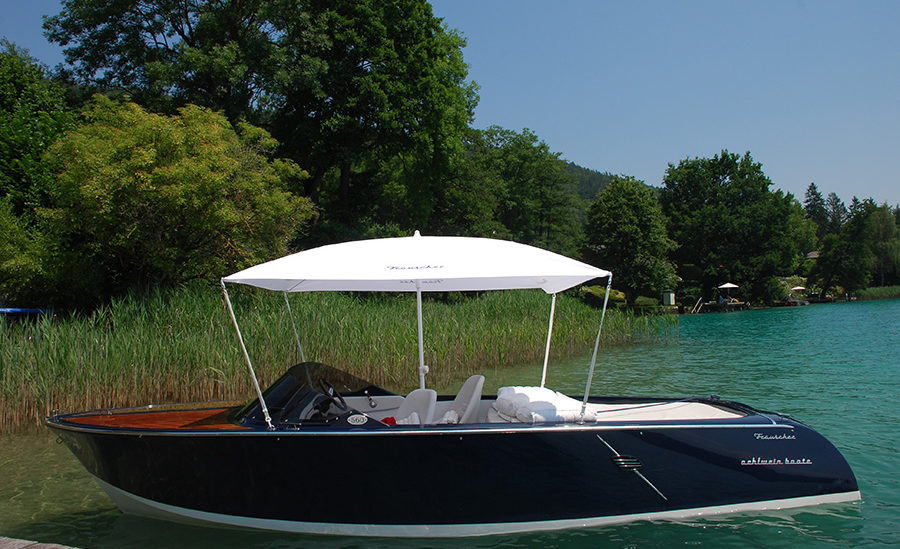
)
(370, 97)
(142, 198)
(240, 130)
(857, 247)
(880, 292)
(512, 186)
(626, 233)
(728, 224)
(814, 208)
(587, 183)
(32, 114)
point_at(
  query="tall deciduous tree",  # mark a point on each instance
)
(32, 114)
(147, 199)
(471, 199)
(349, 87)
(626, 233)
(728, 224)
(510, 185)
(166, 54)
(368, 76)
(885, 244)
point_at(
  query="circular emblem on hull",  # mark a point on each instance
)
(357, 419)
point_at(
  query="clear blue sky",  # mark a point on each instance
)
(810, 87)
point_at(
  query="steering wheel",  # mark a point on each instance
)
(333, 395)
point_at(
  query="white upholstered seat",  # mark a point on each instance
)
(467, 399)
(421, 402)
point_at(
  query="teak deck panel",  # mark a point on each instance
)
(213, 418)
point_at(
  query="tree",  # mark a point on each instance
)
(166, 54)
(470, 200)
(32, 114)
(846, 258)
(587, 183)
(803, 229)
(343, 85)
(728, 224)
(837, 213)
(529, 187)
(841, 262)
(626, 234)
(147, 199)
(372, 84)
(22, 248)
(814, 206)
(536, 207)
(885, 244)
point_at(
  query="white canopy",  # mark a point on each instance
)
(437, 263)
(797, 288)
(727, 285)
(418, 264)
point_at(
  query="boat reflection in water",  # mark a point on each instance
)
(321, 451)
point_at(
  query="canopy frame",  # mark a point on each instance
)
(502, 272)
(294, 326)
(262, 401)
(590, 379)
(549, 336)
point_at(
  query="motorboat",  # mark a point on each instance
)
(323, 451)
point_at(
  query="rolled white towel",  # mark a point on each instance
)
(546, 415)
(510, 399)
(451, 416)
(510, 402)
(411, 419)
(556, 407)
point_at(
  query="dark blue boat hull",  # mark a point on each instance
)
(520, 476)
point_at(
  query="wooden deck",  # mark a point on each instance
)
(188, 420)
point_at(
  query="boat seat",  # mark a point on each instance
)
(420, 402)
(465, 405)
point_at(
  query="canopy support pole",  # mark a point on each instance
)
(587, 388)
(422, 368)
(549, 335)
(237, 328)
(294, 325)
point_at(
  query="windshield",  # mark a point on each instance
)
(297, 396)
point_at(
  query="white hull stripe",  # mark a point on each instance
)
(493, 429)
(137, 505)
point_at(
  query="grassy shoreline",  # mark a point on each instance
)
(879, 292)
(180, 346)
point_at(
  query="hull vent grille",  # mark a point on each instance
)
(627, 463)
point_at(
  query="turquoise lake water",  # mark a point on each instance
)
(831, 366)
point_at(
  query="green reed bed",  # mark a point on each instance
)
(879, 292)
(180, 346)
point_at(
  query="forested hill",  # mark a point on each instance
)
(587, 183)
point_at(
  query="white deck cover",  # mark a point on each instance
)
(438, 263)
